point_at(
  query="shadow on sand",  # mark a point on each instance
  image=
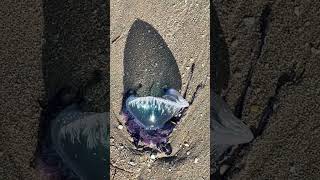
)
(220, 70)
(149, 65)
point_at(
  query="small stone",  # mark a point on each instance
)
(196, 160)
(186, 144)
(111, 139)
(120, 127)
(121, 146)
(234, 43)
(315, 51)
(188, 153)
(132, 163)
(153, 157)
(249, 21)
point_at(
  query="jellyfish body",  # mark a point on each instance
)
(77, 139)
(81, 138)
(227, 129)
(153, 112)
(149, 118)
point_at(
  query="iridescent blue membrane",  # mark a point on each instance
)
(154, 112)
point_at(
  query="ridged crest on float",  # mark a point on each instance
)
(153, 112)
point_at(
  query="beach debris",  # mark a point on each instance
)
(153, 156)
(132, 163)
(196, 160)
(120, 127)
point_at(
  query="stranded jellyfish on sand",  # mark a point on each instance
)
(81, 138)
(150, 120)
(227, 130)
(71, 139)
(152, 110)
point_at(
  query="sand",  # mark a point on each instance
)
(272, 39)
(286, 45)
(21, 86)
(184, 26)
(46, 46)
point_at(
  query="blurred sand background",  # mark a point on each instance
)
(21, 84)
(277, 53)
(47, 46)
(288, 147)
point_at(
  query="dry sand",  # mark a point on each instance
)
(185, 28)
